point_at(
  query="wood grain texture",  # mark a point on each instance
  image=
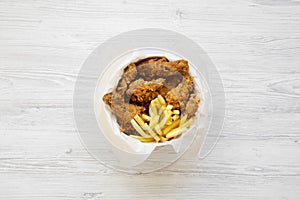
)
(255, 45)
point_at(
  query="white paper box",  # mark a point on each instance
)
(129, 151)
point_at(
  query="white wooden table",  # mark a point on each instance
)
(254, 43)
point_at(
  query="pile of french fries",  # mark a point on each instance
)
(162, 124)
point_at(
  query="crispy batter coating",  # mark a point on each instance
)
(157, 59)
(128, 75)
(192, 105)
(179, 95)
(123, 118)
(124, 112)
(107, 98)
(144, 91)
(162, 69)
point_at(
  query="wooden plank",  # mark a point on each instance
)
(255, 45)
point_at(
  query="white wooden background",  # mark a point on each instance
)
(254, 43)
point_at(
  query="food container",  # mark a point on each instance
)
(96, 125)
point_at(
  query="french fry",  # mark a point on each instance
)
(152, 133)
(152, 110)
(168, 123)
(161, 100)
(155, 101)
(176, 112)
(154, 121)
(183, 119)
(138, 128)
(176, 132)
(169, 107)
(161, 110)
(162, 138)
(158, 108)
(165, 118)
(140, 121)
(162, 124)
(188, 123)
(175, 117)
(146, 117)
(158, 130)
(143, 139)
(167, 129)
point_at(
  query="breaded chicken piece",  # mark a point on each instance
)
(152, 69)
(173, 81)
(192, 105)
(144, 91)
(107, 98)
(124, 112)
(151, 59)
(179, 95)
(129, 74)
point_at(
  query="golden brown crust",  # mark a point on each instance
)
(141, 91)
(179, 95)
(153, 69)
(192, 105)
(151, 59)
(107, 98)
